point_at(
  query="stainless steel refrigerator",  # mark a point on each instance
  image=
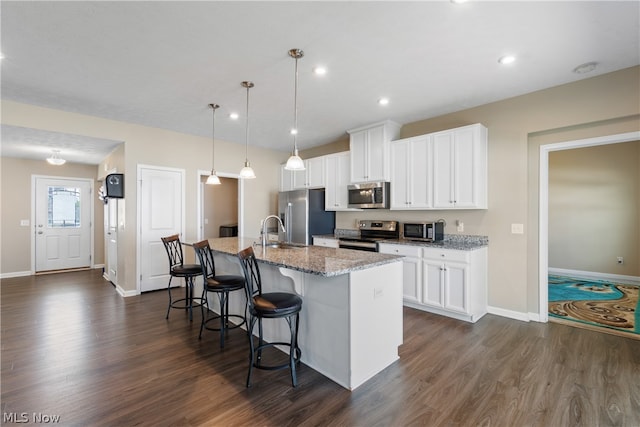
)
(303, 215)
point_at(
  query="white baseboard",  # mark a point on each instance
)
(15, 274)
(595, 275)
(525, 317)
(124, 293)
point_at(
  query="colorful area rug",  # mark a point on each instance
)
(613, 306)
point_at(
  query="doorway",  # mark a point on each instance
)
(63, 220)
(213, 215)
(543, 213)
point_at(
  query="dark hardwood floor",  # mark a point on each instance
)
(72, 347)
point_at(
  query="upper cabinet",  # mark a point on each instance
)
(369, 147)
(337, 177)
(460, 168)
(411, 180)
(312, 176)
(286, 179)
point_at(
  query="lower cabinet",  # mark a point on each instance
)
(444, 281)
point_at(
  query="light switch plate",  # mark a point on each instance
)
(24, 222)
(517, 228)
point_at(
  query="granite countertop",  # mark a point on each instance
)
(316, 260)
(457, 242)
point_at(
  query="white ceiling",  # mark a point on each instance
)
(161, 63)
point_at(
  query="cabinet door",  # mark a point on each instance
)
(412, 279)
(358, 148)
(420, 169)
(299, 179)
(286, 179)
(442, 170)
(331, 189)
(455, 287)
(465, 168)
(315, 172)
(433, 283)
(400, 154)
(377, 169)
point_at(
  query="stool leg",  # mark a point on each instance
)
(293, 349)
(189, 295)
(169, 290)
(205, 315)
(224, 307)
(252, 322)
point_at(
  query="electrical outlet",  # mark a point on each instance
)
(24, 223)
(517, 228)
(620, 260)
(459, 226)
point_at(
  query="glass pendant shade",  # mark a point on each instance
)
(295, 162)
(246, 172)
(55, 159)
(213, 177)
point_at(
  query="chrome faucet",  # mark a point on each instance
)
(263, 233)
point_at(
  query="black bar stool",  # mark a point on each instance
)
(221, 285)
(177, 268)
(273, 305)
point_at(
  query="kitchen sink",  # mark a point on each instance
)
(285, 245)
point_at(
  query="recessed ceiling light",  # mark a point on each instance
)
(234, 116)
(1, 55)
(319, 70)
(507, 59)
(383, 101)
(458, 1)
(585, 68)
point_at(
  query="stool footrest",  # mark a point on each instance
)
(226, 328)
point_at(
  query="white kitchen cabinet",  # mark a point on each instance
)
(337, 178)
(411, 182)
(312, 176)
(460, 168)
(369, 147)
(326, 242)
(286, 179)
(411, 267)
(455, 282)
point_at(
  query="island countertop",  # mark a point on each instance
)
(318, 260)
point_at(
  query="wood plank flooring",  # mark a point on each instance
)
(72, 347)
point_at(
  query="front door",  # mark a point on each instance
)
(161, 202)
(62, 223)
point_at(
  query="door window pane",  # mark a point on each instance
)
(64, 207)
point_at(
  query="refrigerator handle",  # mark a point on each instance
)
(287, 224)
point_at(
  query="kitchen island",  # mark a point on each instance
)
(351, 319)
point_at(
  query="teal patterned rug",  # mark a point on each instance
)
(614, 306)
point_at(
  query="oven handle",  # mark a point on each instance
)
(358, 245)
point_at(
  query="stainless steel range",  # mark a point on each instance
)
(371, 232)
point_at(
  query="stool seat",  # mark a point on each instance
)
(186, 270)
(276, 304)
(225, 281)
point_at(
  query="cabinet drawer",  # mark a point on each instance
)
(404, 250)
(446, 255)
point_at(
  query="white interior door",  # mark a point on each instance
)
(63, 226)
(112, 240)
(161, 210)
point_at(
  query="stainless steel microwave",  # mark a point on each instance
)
(424, 231)
(369, 195)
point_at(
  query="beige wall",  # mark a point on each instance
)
(602, 105)
(594, 208)
(16, 198)
(157, 147)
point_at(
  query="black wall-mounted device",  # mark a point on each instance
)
(114, 183)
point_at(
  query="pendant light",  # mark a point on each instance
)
(213, 177)
(294, 162)
(246, 172)
(55, 159)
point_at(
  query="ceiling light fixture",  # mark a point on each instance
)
(213, 177)
(246, 172)
(383, 101)
(319, 70)
(587, 67)
(294, 162)
(507, 59)
(55, 159)
(234, 116)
